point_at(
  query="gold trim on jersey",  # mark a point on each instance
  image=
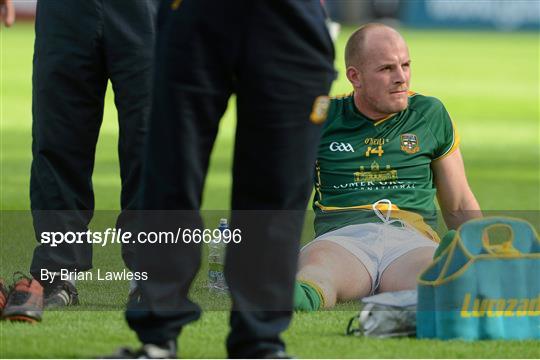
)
(378, 122)
(411, 218)
(456, 139)
(410, 93)
(342, 96)
(318, 184)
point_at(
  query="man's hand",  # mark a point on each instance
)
(7, 12)
(456, 199)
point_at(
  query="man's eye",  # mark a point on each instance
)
(406, 65)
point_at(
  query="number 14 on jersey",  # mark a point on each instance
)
(374, 150)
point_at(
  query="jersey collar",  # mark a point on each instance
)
(363, 117)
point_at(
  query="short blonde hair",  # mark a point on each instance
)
(355, 44)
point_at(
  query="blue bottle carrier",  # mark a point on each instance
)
(483, 289)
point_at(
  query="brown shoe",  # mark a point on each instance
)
(25, 301)
(3, 296)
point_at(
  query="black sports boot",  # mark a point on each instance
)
(60, 293)
(147, 351)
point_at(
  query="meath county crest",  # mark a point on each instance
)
(409, 143)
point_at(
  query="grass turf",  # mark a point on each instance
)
(489, 84)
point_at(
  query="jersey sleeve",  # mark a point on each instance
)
(444, 131)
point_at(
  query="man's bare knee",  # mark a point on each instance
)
(338, 273)
(316, 268)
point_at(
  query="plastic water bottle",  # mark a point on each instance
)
(216, 261)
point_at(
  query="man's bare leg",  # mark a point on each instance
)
(338, 274)
(402, 273)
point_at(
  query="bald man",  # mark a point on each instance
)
(385, 153)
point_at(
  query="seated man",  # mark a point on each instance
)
(384, 154)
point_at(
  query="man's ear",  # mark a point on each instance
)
(353, 76)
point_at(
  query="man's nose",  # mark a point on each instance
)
(400, 76)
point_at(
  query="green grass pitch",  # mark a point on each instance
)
(489, 83)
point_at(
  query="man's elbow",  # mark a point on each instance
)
(463, 210)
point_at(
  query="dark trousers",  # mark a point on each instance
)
(276, 55)
(79, 46)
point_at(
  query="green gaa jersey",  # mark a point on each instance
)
(361, 161)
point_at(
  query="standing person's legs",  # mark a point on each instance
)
(69, 84)
(191, 89)
(129, 39)
(287, 63)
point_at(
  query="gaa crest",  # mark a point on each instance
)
(409, 143)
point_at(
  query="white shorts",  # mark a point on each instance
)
(377, 245)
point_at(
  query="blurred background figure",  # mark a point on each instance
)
(505, 15)
(7, 12)
(429, 14)
(80, 45)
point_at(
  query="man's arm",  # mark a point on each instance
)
(456, 199)
(7, 12)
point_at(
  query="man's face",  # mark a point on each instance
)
(383, 77)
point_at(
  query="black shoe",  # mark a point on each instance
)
(134, 296)
(147, 351)
(276, 354)
(60, 293)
